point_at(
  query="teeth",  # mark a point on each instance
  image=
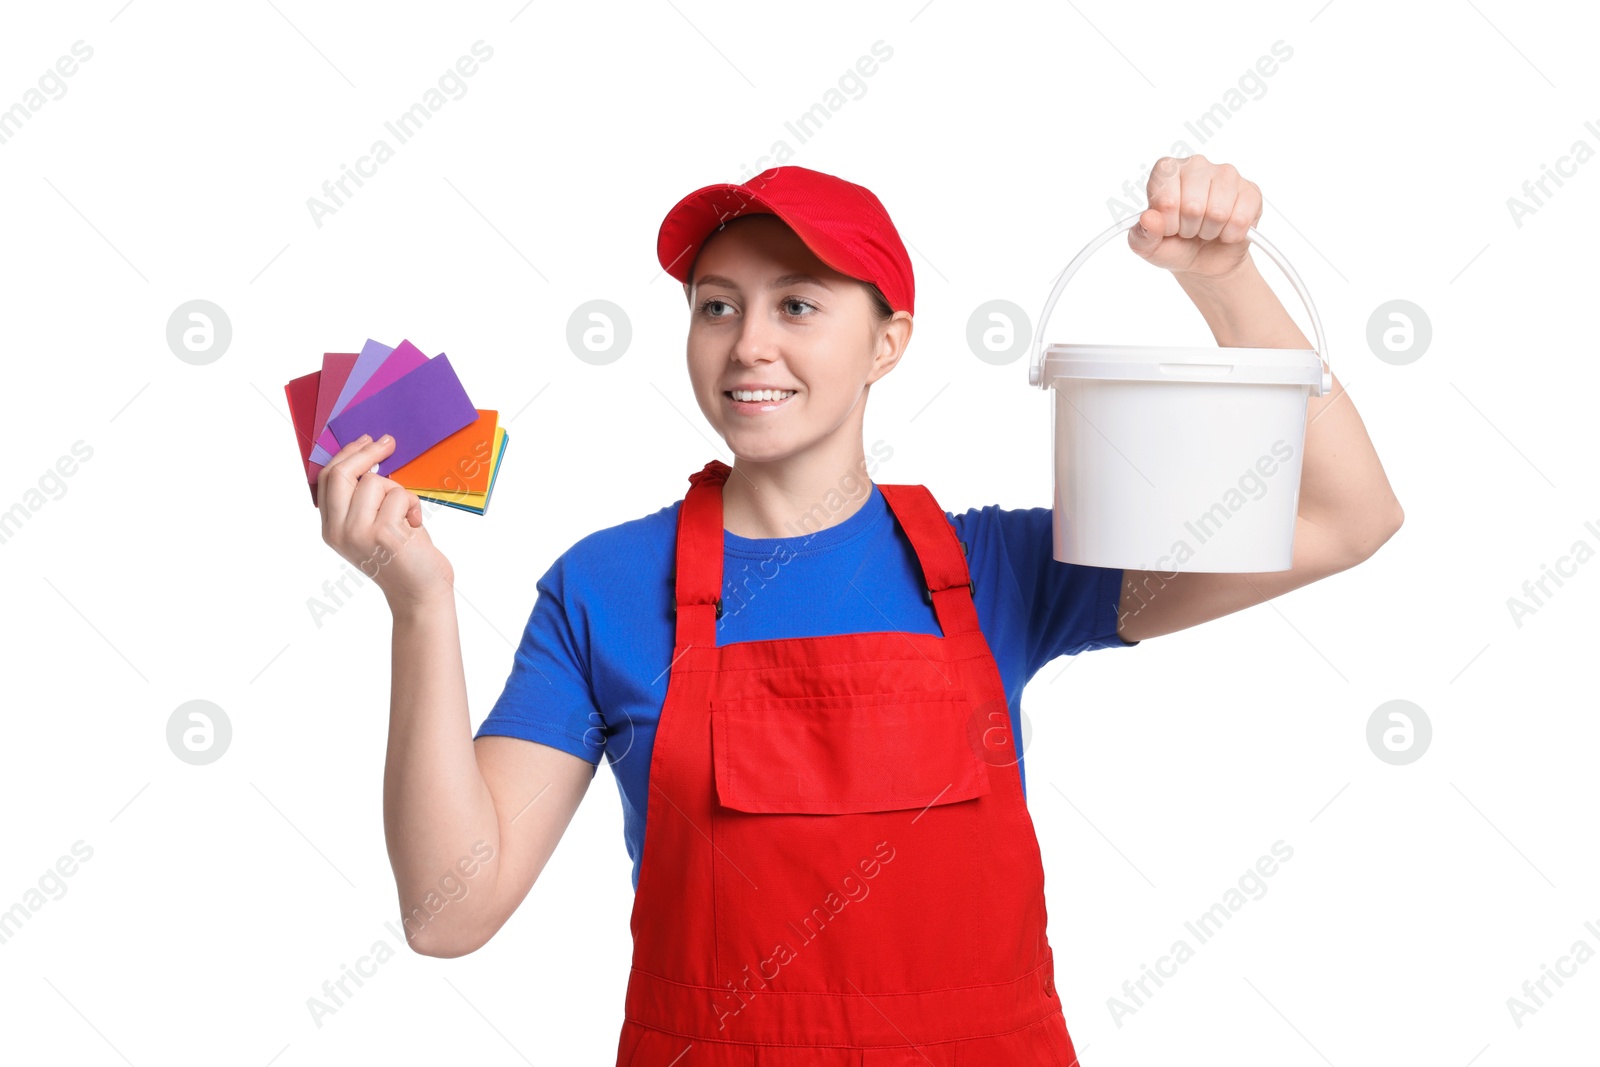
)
(761, 394)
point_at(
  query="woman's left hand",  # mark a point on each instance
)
(1198, 216)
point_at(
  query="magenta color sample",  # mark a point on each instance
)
(420, 410)
(405, 358)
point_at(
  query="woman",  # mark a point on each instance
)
(807, 682)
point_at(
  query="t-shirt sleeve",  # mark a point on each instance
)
(1070, 607)
(548, 696)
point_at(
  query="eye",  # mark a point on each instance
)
(794, 306)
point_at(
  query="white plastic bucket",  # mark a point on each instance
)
(1177, 459)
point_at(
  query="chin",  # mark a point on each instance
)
(760, 451)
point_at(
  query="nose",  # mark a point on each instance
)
(757, 341)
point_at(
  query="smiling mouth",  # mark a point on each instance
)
(758, 400)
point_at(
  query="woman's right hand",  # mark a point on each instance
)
(376, 524)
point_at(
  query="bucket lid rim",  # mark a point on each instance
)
(1199, 354)
(1247, 366)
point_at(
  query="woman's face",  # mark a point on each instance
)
(754, 325)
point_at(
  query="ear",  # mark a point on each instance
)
(892, 345)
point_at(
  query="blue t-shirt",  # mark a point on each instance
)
(590, 673)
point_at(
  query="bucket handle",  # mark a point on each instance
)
(1036, 365)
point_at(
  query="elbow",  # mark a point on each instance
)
(444, 944)
(1374, 535)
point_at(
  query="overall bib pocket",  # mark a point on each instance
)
(844, 754)
(849, 839)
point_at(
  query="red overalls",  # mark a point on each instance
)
(839, 868)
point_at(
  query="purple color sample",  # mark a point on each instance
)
(420, 410)
(371, 358)
(405, 358)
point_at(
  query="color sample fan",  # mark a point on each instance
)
(446, 450)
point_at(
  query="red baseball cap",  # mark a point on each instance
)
(842, 223)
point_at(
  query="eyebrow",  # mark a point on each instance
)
(787, 279)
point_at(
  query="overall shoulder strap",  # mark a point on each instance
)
(697, 585)
(948, 583)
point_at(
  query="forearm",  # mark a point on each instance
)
(436, 805)
(1343, 487)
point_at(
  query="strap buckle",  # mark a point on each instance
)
(672, 607)
(972, 590)
(972, 583)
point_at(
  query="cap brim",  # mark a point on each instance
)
(696, 217)
(700, 214)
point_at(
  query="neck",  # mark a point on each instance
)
(798, 494)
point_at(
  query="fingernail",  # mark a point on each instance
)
(384, 439)
(364, 439)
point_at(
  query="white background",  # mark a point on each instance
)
(180, 559)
